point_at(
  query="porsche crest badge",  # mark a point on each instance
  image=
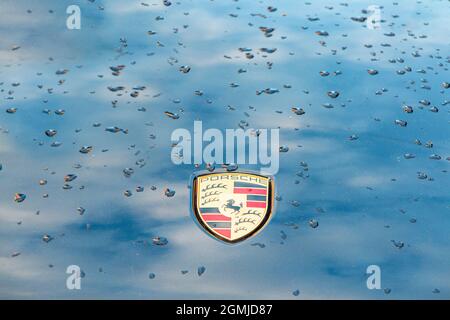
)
(232, 206)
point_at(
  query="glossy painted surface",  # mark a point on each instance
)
(352, 188)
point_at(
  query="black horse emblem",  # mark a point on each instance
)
(229, 205)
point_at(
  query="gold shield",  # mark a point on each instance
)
(232, 206)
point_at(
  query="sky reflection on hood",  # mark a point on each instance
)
(367, 195)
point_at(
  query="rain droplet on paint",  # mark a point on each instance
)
(85, 149)
(19, 197)
(333, 94)
(171, 115)
(185, 69)
(169, 193)
(398, 244)
(313, 223)
(70, 177)
(201, 270)
(159, 241)
(47, 238)
(50, 132)
(298, 111)
(401, 123)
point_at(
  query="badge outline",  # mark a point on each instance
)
(265, 221)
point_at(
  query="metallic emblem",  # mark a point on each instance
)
(232, 206)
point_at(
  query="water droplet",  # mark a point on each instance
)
(171, 115)
(201, 270)
(333, 94)
(127, 172)
(398, 244)
(435, 157)
(86, 149)
(47, 238)
(313, 223)
(19, 197)
(50, 132)
(169, 193)
(258, 244)
(408, 109)
(267, 91)
(401, 123)
(70, 177)
(11, 110)
(298, 111)
(231, 167)
(422, 175)
(284, 149)
(160, 241)
(185, 69)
